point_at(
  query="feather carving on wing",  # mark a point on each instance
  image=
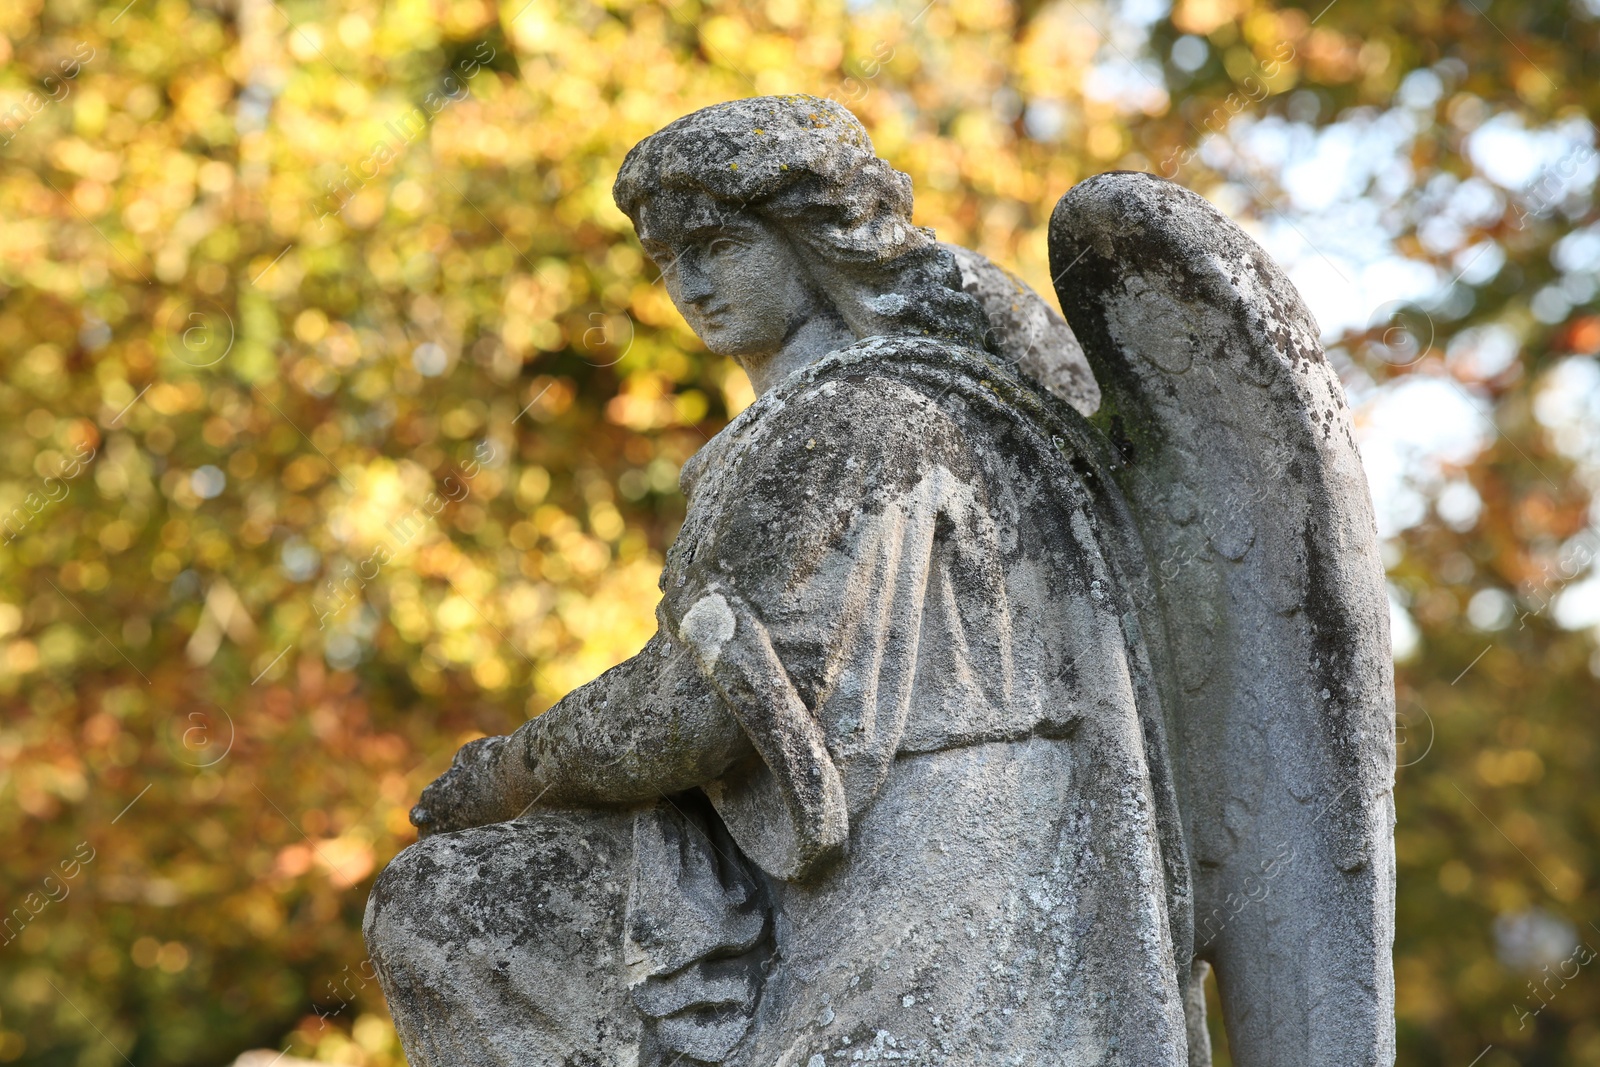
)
(1268, 623)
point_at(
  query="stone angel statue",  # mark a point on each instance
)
(1003, 687)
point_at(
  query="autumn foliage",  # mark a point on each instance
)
(341, 421)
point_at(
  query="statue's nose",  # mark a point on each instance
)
(694, 285)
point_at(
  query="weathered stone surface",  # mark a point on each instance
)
(1026, 333)
(957, 696)
(1239, 461)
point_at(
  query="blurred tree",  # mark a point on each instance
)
(341, 420)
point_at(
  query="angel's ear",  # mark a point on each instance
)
(1240, 465)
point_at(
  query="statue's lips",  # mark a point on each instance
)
(710, 316)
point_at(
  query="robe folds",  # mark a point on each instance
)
(948, 832)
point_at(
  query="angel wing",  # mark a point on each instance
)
(1028, 333)
(1236, 455)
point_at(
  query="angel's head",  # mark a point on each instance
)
(769, 213)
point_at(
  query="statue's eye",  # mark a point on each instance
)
(665, 259)
(721, 246)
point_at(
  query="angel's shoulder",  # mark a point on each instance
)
(870, 402)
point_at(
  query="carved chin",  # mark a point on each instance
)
(730, 339)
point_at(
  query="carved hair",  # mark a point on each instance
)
(808, 166)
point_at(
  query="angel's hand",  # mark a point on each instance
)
(468, 794)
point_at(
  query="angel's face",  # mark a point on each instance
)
(736, 280)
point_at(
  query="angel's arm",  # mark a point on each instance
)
(647, 727)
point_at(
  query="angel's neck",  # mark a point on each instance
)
(808, 341)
